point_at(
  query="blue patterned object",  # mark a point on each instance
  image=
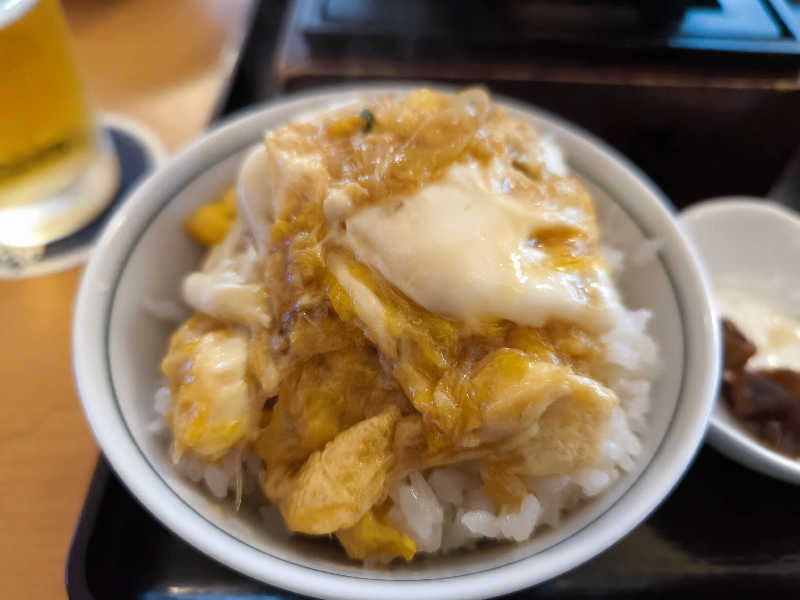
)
(134, 161)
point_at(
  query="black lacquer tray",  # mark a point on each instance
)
(725, 532)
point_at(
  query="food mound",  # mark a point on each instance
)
(405, 320)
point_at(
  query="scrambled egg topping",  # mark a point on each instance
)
(209, 224)
(340, 381)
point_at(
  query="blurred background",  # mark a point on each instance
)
(707, 87)
(703, 95)
(166, 64)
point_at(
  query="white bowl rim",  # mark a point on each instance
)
(756, 204)
(94, 303)
(727, 438)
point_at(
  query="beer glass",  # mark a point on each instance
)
(57, 168)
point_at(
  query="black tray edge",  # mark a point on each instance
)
(75, 572)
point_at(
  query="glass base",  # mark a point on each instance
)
(24, 228)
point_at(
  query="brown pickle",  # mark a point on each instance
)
(766, 402)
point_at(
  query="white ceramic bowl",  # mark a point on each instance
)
(118, 344)
(751, 245)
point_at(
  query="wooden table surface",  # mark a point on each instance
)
(163, 63)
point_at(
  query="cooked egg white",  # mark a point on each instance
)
(464, 246)
(212, 406)
(776, 336)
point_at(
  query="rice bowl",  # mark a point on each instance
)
(659, 296)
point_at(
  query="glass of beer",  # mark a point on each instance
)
(57, 169)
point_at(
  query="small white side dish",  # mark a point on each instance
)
(144, 254)
(751, 246)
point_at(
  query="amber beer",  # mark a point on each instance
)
(47, 134)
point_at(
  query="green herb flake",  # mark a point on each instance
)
(369, 119)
